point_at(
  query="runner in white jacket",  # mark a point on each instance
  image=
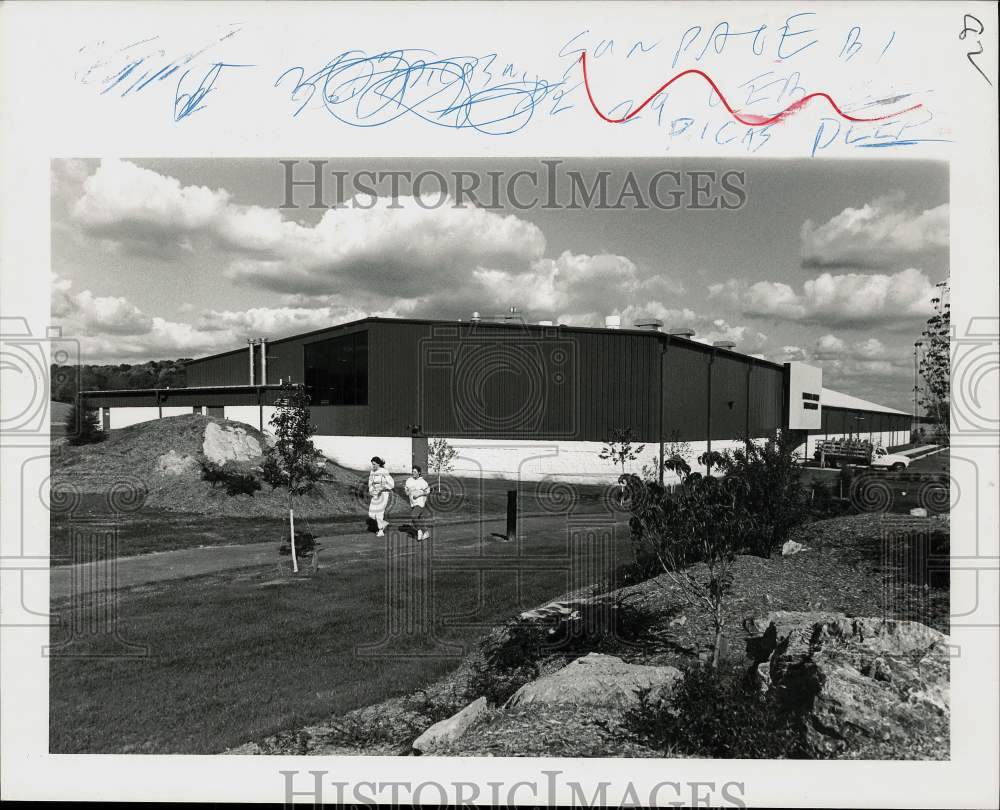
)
(380, 484)
(417, 490)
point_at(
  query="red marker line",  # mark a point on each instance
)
(749, 119)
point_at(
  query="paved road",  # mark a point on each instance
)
(125, 572)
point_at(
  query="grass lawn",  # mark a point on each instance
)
(148, 530)
(236, 656)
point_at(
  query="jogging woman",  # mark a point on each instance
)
(380, 484)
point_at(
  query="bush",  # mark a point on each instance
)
(234, 482)
(771, 489)
(81, 425)
(717, 714)
(242, 484)
(305, 544)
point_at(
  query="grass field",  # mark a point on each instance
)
(147, 530)
(236, 656)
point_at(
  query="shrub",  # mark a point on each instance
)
(234, 482)
(771, 489)
(213, 473)
(242, 484)
(717, 714)
(81, 425)
(707, 522)
(305, 544)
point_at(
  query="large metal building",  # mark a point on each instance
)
(516, 399)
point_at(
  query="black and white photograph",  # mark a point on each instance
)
(500, 404)
(528, 458)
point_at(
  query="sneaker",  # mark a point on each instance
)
(421, 535)
(380, 533)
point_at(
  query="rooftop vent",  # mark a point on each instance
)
(513, 314)
(649, 324)
(546, 323)
(724, 344)
(688, 333)
(613, 322)
(475, 317)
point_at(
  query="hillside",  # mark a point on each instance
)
(159, 464)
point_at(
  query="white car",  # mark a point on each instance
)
(896, 462)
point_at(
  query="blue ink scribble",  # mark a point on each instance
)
(187, 103)
(457, 92)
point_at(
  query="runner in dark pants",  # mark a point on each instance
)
(417, 489)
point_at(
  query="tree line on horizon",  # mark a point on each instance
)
(68, 380)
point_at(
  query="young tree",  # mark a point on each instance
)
(292, 462)
(695, 537)
(935, 366)
(81, 424)
(619, 448)
(440, 458)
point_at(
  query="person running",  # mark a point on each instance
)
(380, 484)
(417, 489)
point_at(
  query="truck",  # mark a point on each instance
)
(841, 452)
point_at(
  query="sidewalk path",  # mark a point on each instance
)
(916, 451)
(125, 572)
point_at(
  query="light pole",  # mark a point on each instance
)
(916, 387)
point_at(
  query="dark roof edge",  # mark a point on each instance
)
(518, 325)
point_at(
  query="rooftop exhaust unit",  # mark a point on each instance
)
(263, 361)
(649, 324)
(724, 344)
(613, 322)
(546, 323)
(687, 333)
(475, 317)
(513, 314)
(250, 347)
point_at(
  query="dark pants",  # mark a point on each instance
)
(418, 517)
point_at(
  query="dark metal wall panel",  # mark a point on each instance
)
(767, 398)
(685, 415)
(342, 420)
(488, 381)
(729, 397)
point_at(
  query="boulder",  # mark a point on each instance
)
(449, 730)
(174, 463)
(229, 443)
(791, 547)
(598, 680)
(867, 687)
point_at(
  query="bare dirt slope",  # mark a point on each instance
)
(158, 464)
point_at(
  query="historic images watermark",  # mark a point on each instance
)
(542, 788)
(553, 186)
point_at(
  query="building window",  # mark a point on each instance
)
(337, 370)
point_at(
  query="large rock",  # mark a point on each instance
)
(229, 443)
(865, 687)
(598, 680)
(174, 463)
(450, 729)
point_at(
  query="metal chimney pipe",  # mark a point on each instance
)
(263, 361)
(250, 346)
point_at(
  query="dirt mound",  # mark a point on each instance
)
(159, 464)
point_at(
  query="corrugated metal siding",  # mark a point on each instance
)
(496, 382)
(729, 397)
(767, 399)
(685, 392)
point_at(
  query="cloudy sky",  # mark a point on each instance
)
(830, 262)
